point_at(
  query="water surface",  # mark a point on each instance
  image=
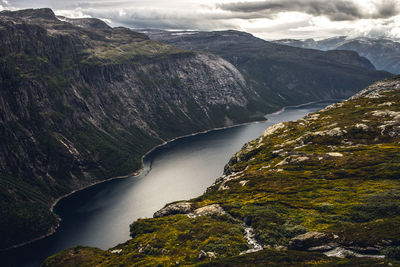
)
(100, 215)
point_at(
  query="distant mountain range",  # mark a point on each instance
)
(383, 53)
(280, 73)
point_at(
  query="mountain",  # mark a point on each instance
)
(280, 73)
(81, 102)
(383, 53)
(323, 190)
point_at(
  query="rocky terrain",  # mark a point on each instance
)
(282, 74)
(383, 53)
(323, 191)
(81, 102)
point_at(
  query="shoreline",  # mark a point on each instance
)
(301, 105)
(131, 175)
(141, 169)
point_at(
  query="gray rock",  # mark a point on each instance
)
(311, 240)
(208, 254)
(331, 132)
(174, 208)
(341, 252)
(324, 248)
(209, 210)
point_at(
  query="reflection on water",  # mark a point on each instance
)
(100, 215)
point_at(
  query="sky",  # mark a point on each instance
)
(268, 19)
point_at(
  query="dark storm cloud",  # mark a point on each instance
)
(334, 10)
(176, 14)
(388, 9)
(267, 18)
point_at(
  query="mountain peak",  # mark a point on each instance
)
(43, 13)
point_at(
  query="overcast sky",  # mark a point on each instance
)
(268, 19)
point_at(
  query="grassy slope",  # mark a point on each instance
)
(293, 186)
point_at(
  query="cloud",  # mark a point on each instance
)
(161, 18)
(335, 10)
(173, 14)
(3, 4)
(269, 19)
(72, 13)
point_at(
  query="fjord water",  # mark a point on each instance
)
(100, 215)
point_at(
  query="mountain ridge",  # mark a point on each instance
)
(383, 53)
(276, 71)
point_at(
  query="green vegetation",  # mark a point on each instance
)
(129, 53)
(272, 257)
(163, 241)
(23, 207)
(25, 203)
(335, 172)
(84, 256)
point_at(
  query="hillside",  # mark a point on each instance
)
(383, 53)
(323, 191)
(81, 102)
(281, 74)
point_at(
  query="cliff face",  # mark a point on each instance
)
(323, 190)
(79, 104)
(281, 74)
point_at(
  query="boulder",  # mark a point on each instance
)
(335, 154)
(209, 210)
(272, 129)
(311, 240)
(336, 132)
(174, 208)
(207, 254)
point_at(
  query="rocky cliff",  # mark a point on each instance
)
(281, 74)
(81, 102)
(323, 191)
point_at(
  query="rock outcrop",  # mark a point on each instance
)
(313, 241)
(175, 208)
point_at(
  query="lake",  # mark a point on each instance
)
(100, 215)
